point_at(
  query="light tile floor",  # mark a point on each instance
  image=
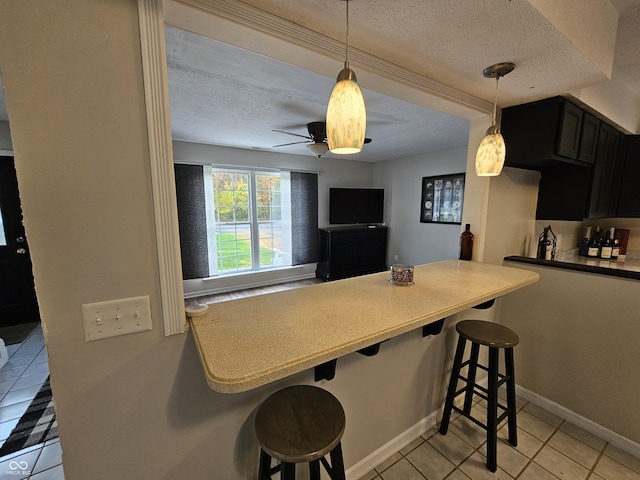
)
(20, 380)
(549, 448)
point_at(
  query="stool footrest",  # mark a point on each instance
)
(501, 417)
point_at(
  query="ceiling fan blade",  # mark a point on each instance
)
(285, 144)
(294, 134)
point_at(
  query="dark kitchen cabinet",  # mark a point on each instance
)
(574, 192)
(628, 187)
(601, 204)
(351, 251)
(588, 138)
(548, 132)
(563, 192)
(568, 138)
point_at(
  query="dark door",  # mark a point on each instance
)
(18, 302)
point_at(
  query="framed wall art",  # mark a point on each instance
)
(442, 198)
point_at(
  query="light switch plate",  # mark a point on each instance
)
(116, 317)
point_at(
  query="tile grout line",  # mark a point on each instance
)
(592, 471)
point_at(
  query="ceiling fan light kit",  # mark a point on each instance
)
(318, 149)
(492, 150)
(346, 113)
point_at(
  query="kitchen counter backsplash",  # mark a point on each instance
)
(630, 263)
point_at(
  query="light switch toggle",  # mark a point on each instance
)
(116, 317)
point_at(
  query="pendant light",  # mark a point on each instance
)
(492, 150)
(346, 114)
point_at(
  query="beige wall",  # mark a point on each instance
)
(510, 213)
(138, 406)
(579, 344)
(5, 139)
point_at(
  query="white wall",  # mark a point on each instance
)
(414, 242)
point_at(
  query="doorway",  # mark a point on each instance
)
(18, 303)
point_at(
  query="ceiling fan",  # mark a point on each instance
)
(317, 138)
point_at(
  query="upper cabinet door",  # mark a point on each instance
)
(603, 172)
(588, 138)
(545, 133)
(629, 192)
(569, 132)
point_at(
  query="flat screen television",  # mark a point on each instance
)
(350, 206)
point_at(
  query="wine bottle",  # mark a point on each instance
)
(584, 244)
(466, 243)
(606, 247)
(594, 244)
(615, 248)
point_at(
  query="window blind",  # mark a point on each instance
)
(304, 217)
(192, 221)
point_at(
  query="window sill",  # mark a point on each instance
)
(228, 283)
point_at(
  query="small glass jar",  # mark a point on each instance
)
(402, 275)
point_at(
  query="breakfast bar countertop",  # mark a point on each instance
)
(249, 342)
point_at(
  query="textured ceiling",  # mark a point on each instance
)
(230, 96)
(223, 93)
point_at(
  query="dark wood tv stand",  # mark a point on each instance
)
(351, 251)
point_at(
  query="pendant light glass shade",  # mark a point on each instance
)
(346, 115)
(492, 150)
(491, 155)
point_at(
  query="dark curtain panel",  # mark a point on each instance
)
(304, 217)
(192, 221)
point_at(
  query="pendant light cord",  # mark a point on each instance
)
(495, 104)
(346, 60)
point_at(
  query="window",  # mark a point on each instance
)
(241, 221)
(248, 220)
(3, 238)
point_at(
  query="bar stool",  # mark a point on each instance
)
(300, 424)
(496, 337)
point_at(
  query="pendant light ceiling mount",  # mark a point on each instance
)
(498, 70)
(492, 150)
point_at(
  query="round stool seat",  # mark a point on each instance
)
(299, 424)
(486, 333)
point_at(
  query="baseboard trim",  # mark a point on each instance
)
(375, 458)
(610, 436)
(368, 463)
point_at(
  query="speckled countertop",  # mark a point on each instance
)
(248, 342)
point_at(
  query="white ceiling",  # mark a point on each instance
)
(227, 95)
(224, 95)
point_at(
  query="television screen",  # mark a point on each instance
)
(349, 206)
